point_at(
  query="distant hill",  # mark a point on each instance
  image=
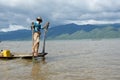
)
(73, 31)
(69, 31)
(15, 35)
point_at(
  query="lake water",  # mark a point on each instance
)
(66, 60)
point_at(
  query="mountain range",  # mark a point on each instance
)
(69, 31)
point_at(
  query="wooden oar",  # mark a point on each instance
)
(44, 36)
(32, 28)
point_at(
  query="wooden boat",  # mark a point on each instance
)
(27, 56)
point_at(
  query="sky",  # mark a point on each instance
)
(20, 13)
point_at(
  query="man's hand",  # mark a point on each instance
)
(46, 26)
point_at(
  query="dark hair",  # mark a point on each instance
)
(39, 20)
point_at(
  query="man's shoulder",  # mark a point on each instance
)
(36, 22)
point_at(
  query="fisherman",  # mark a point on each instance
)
(36, 27)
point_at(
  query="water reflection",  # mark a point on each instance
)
(37, 71)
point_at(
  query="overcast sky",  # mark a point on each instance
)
(22, 12)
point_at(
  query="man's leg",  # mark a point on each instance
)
(36, 44)
(36, 49)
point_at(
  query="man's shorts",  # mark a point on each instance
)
(36, 37)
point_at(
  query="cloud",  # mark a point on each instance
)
(18, 3)
(12, 28)
(21, 12)
(93, 22)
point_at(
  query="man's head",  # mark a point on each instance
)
(39, 19)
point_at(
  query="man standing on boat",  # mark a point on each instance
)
(36, 27)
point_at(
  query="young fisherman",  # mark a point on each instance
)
(36, 30)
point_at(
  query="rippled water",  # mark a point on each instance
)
(66, 60)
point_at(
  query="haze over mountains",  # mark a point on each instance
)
(68, 31)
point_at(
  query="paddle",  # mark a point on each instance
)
(32, 28)
(44, 36)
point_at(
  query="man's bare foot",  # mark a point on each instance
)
(35, 54)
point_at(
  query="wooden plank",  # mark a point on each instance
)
(1, 57)
(30, 55)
